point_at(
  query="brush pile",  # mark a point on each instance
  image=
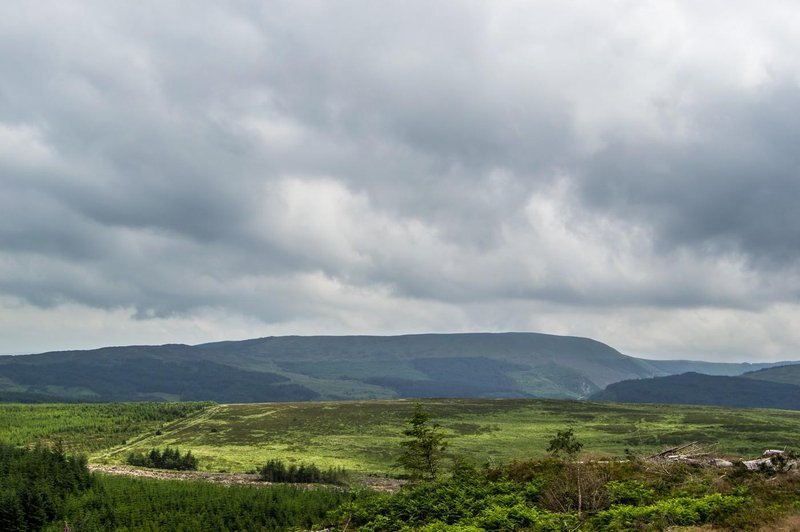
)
(773, 460)
(691, 453)
(701, 455)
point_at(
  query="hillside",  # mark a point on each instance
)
(789, 374)
(698, 389)
(298, 368)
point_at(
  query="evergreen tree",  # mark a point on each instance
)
(564, 443)
(423, 451)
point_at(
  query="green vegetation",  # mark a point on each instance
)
(533, 475)
(423, 450)
(542, 495)
(35, 485)
(41, 489)
(123, 503)
(366, 436)
(563, 492)
(564, 443)
(88, 427)
(169, 458)
(277, 471)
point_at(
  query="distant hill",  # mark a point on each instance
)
(789, 374)
(296, 368)
(731, 369)
(698, 389)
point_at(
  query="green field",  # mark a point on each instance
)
(364, 436)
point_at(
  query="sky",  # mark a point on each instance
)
(184, 172)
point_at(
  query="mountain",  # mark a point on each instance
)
(296, 368)
(698, 389)
(731, 369)
(786, 374)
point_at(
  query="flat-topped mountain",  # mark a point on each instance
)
(292, 368)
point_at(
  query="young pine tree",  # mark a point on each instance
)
(422, 453)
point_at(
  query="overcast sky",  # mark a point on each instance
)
(196, 171)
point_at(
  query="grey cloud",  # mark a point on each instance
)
(732, 187)
(420, 138)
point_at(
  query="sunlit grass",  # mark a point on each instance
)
(364, 435)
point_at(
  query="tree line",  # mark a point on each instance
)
(169, 458)
(36, 484)
(277, 471)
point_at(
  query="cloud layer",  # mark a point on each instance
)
(188, 171)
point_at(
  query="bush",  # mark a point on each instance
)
(630, 492)
(680, 511)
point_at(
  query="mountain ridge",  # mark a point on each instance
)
(283, 368)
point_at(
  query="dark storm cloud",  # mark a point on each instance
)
(287, 160)
(732, 187)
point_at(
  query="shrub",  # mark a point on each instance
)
(630, 492)
(577, 487)
(681, 511)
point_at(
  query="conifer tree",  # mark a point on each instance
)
(423, 451)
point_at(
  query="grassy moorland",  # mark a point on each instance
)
(364, 436)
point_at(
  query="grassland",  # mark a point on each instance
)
(364, 436)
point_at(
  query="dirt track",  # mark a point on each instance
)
(376, 483)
